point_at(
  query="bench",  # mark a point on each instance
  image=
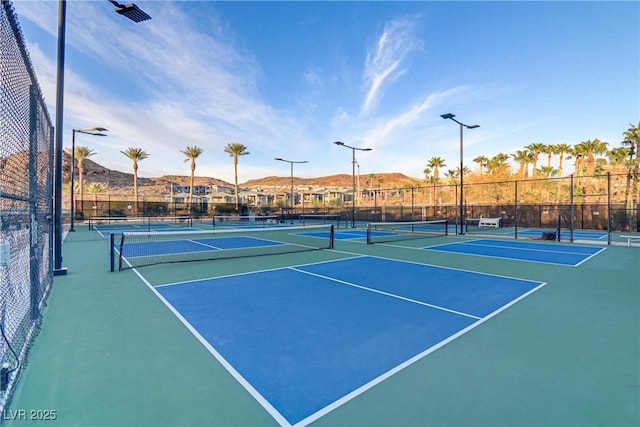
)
(489, 222)
(630, 239)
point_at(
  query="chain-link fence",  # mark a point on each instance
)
(606, 202)
(26, 136)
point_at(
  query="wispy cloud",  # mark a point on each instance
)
(193, 88)
(379, 135)
(385, 62)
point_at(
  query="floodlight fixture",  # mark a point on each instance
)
(131, 11)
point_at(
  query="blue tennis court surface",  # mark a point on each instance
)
(566, 235)
(165, 247)
(553, 253)
(304, 340)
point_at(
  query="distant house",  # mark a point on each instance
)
(221, 198)
(257, 198)
(197, 189)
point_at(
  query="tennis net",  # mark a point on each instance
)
(313, 218)
(149, 223)
(138, 249)
(228, 221)
(379, 232)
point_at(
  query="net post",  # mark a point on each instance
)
(120, 252)
(331, 237)
(369, 234)
(111, 254)
(446, 227)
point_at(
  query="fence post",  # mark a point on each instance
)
(608, 208)
(34, 261)
(571, 201)
(515, 211)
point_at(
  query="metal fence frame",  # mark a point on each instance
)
(26, 188)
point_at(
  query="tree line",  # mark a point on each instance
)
(135, 154)
(586, 156)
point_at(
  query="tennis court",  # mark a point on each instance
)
(566, 234)
(258, 323)
(414, 328)
(551, 253)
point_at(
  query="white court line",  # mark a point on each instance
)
(355, 393)
(431, 248)
(503, 246)
(437, 307)
(243, 382)
(278, 417)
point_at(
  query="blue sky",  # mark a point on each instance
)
(287, 79)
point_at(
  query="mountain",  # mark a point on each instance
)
(379, 180)
(117, 182)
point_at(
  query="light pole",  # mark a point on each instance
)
(130, 11)
(291, 162)
(353, 172)
(93, 131)
(462, 126)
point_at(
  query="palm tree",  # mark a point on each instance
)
(482, 161)
(578, 153)
(593, 148)
(535, 149)
(436, 163)
(82, 153)
(547, 171)
(453, 175)
(549, 150)
(523, 158)
(235, 150)
(192, 154)
(427, 173)
(561, 150)
(465, 171)
(498, 165)
(136, 155)
(632, 137)
(617, 158)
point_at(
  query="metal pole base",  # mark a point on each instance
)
(60, 271)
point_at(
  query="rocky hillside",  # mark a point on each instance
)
(122, 183)
(381, 180)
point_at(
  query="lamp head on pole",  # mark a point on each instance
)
(130, 11)
(447, 116)
(280, 159)
(96, 131)
(353, 148)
